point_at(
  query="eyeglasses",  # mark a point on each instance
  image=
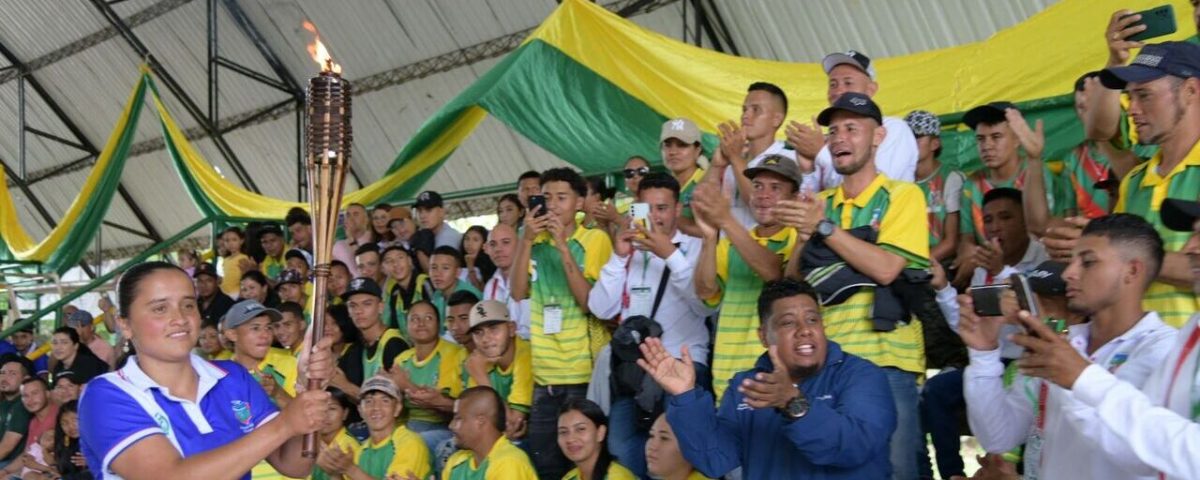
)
(636, 172)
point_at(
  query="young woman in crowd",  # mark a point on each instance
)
(134, 437)
(479, 266)
(509, 210)
(379, 224)
(635, 168)
(663, 458)
(347, 348)
(234, 260)
(74, 356)
(68, 459)
(254, 286)
(582, 427)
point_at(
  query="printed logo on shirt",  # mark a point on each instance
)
(1117, 360)
(163, 423)
(875, 218)
(241, 411)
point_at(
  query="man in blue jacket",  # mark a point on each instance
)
(807, 410)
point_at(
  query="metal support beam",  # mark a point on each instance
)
(82, 143)
(50, 136)
(290, 84)
(142, 16)
(135, 43)
(130, 231)
(713, 24)
(398, 76)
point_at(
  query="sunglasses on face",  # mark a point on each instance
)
(636, 172)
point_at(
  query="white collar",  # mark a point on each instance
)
(208, 372)
(1080, 334)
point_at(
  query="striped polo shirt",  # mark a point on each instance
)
(563, 358)
(1142, 193)
(737, 346)
(897, 211)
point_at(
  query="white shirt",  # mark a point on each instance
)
(496, 288)
(1155, 424)
(1004, 418)
(896, 158)
(636, 277)
(741, 209)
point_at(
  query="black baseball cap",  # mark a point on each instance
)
(1179, 215)
(1181, 59)
(362, 285)
(1047, 279)
(990, 113)
(206, 269)
(849, 57)
(428, 199)
(852, 102)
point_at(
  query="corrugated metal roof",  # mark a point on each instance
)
(369, 37)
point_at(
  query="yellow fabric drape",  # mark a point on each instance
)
(236, 201)
(1038, 58)
(22, 246)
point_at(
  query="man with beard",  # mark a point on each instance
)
(852, 72)
(13, 371)
(806, 409)
(1163, 84)
(890, 215)
(1114, 262)
(501, 361)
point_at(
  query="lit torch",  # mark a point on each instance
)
(327, 147)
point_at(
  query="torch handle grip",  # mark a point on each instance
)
(310, 439)
(320, 280)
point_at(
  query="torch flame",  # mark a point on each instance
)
(318, 52)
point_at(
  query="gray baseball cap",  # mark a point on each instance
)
(247, 310)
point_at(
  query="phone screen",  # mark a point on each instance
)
(537, 201)
(986, 299)
(1159, 21)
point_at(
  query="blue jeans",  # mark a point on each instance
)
(434, 435)
(906, 440)
(626, 441)
(941, 403)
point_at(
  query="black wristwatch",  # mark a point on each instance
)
(796, 408)
(824, 228)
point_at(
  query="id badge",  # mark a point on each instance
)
(552, 317)
(640, 301)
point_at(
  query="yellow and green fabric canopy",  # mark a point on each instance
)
(593, 89)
